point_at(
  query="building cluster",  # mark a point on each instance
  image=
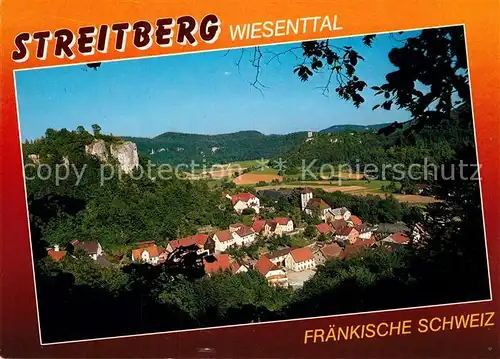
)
(346, 235)
(92, 248)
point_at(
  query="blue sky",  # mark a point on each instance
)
(198, 93)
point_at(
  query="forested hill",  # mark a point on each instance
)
(175, 148)
(354, 128)
(436, 144)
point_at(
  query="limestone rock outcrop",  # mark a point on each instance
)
(124, 153)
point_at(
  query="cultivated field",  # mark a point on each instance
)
(256, 177)
(354, 187)
(328, 188)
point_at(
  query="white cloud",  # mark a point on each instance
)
(227, 73)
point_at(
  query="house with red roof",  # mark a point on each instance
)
(273, 274)
(337, 224)
(201, 240)
(285, 223)
(370, 242)
(278, 256)
(223, 240)
(242, 234)
(319, 207)
(258, 225)
(300, 259)
(244, 200)
(351, 250)
(347, 234)
(151, 254)
(221, 263)
(272, 228)
(397, 238)
(324, 228)
(355, 221)
(277, 226)
(365, 231)
(327, 252)
(55, 254)
(237, 268)
(331, 251)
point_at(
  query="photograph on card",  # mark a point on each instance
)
(250, 185)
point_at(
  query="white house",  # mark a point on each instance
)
(242, 234)
(245, 200)
(236, 268)
(285, 223)
(316, 205)
(300, 259)
(273, 274)
(278, 257)
(365, 232)
(347, 234)
(150, 254)
(272, 228)
(225, 239)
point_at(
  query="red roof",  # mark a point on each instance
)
(282, 220)
(224, 236)
(234, 267)
(200, 239)
(264, 265)
(400, 238)
(301, 254)
(222, 262)
(244, 231)
(153, 251)
(365, 242)
(356, 220)
(272, 224)
(244, 197)
(317, 203)
(350, 250)
(345, 231)
(278, 253)
(338, 224)
(56, 255)
(145, 244)
(323, 228)
(331, 251)
(258, 225)
(306, 190)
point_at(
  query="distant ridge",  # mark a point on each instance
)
(358, 128)
(177, 147)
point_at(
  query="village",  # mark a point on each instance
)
(340, 235)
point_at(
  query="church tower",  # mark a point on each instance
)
(305, 196)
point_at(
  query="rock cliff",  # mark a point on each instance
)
(124, 153)
(98, 149)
